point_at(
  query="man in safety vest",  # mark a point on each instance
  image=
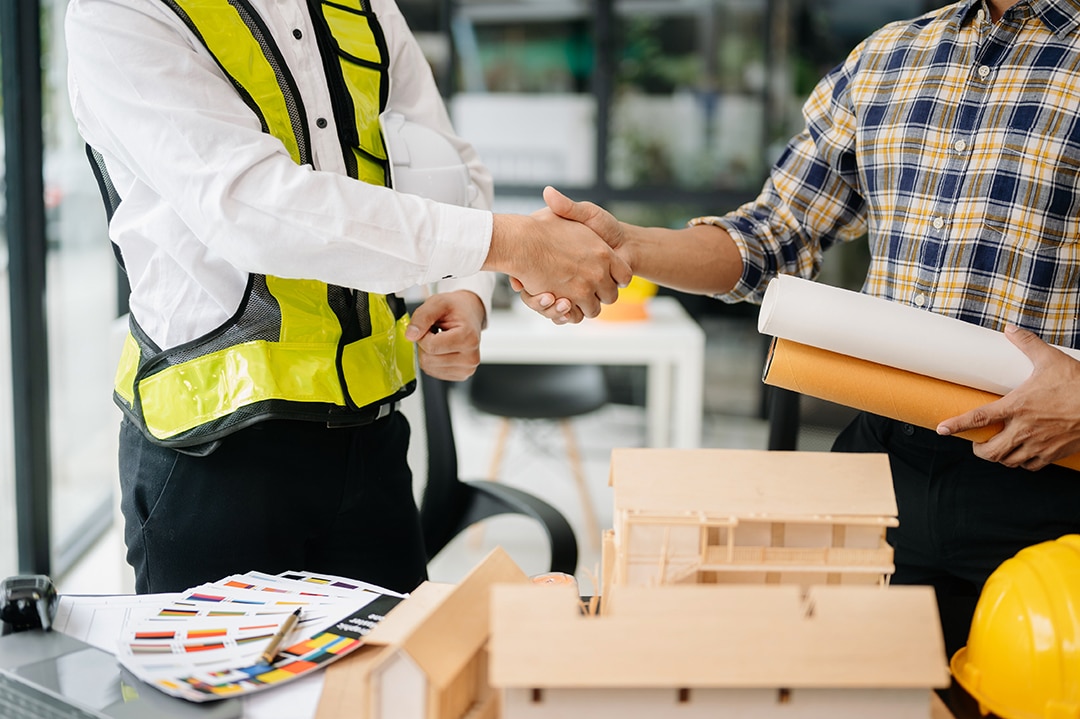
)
(242, 153)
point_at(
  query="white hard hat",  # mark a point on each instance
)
(425, 163)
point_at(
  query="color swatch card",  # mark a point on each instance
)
(304, 583)
(221, 639)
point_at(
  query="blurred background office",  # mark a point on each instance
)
(660, 110)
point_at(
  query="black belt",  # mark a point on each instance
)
(368, 415)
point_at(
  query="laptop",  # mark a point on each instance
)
(49, 674)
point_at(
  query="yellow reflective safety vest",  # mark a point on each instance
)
(296, 349)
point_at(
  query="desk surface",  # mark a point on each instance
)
(669, 343)
(518, 335)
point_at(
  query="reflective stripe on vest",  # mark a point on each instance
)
(295, 348)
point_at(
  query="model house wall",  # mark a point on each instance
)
(746, 516)
(718, 651)
(427, 659)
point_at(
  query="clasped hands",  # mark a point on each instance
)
(563, 307)
(563, 260)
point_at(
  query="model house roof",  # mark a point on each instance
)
(440, 627)
(453, 632)
(718, 637)
(746, 484)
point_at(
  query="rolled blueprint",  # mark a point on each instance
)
(879, 389)
(871, 387)
(893, 334)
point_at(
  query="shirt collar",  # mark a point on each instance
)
(1059, 16)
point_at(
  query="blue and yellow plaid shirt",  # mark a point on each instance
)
(953, 144)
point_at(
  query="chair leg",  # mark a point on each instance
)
(500, 448)
(592, 525)
(476, 533)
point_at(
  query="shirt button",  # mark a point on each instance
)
(980, 16)
(297, 34)
(983, 70)
(920, 300)
(321, 123)
(939, 222)
(960, 145)
(908, 429)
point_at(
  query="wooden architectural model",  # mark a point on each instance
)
(736, 583)
(718, 651)
(746, 516)
(428, 658)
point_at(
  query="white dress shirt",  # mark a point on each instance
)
(209, 198)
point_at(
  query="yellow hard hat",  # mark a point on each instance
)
(1022, 659)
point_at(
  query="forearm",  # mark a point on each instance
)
(701, 259)
(508, 237)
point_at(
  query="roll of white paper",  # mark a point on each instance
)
(892, 334)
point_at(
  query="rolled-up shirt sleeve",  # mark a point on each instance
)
(810, 201)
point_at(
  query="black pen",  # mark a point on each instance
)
(270, 653)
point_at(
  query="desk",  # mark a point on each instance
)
(670, 344)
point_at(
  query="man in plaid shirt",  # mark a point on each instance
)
(951, 142)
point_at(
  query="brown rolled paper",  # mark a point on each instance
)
(879, 389)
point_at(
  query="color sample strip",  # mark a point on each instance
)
(212, 650)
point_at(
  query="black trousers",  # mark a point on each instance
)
(280, 495)
(961, 516)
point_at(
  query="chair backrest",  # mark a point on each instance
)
(444, 494)
(538, 391)
(449, 505)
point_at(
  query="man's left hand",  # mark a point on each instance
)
(446, 330)
(1041, 417)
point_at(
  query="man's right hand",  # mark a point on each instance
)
(557, 308)
(547, 253)
(596, 218)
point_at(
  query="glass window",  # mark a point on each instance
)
(81, 275)
(425, 19)
(688, 103)
(8, 553)
(523, 95)
(550, 55)
(813, 36)
(80, 307)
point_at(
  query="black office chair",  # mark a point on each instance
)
(557, 393)
(449, 505)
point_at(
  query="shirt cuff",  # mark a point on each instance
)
(462, 244)
(740, 291)
(482, 284)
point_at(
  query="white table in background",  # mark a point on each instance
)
(670, 344)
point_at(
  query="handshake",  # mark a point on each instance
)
(565, 260)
